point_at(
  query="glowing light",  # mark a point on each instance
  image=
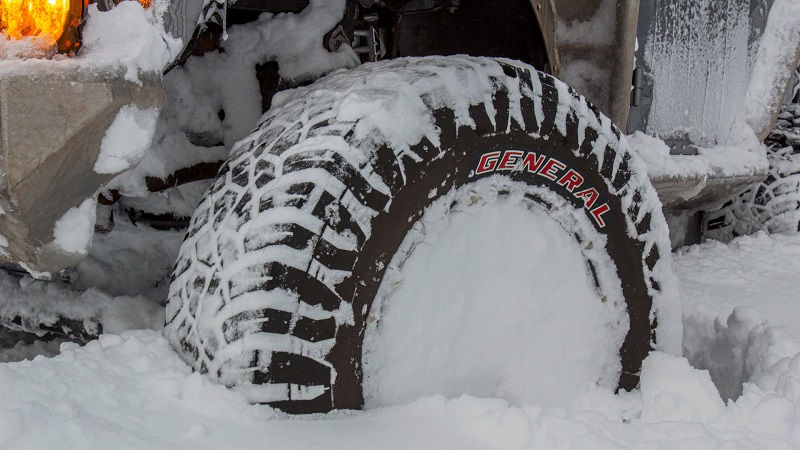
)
(34, 18)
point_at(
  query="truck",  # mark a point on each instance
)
(313, 157)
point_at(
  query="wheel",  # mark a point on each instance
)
(772, 205)
(285, 255)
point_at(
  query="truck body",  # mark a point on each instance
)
(591, 45)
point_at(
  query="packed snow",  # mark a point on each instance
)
(744, 155)
(457, 273)
(130, 390)
(762, 267)
(127, 139)
(73, 232)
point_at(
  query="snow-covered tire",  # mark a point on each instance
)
(285, 254)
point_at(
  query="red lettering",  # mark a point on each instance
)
(589, 196)
(551, 167)
(571, 180)
(599, 211)
(532, 163)
(487, 163)
(509, 160)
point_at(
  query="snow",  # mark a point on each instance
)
(766, 277)
(132, 391)
(44, 303)
(22, 351)
(775, 61)
(405, 89)
(181, 201)
(673, 391)
(214, 101)
(129, 260)
(74, 230)
(700, 57)
(128, 40)
(127, 139)
(226, 80)
(489, 304)
(655, 154)
(742, 155)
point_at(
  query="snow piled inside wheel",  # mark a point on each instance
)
(287, 251)
(511, 307)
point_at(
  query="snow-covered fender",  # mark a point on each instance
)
(287, 251)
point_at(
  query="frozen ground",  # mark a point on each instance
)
(132, 391)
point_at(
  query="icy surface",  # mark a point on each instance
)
(776, 57)
(700, 58)
(132, 391)
(489, 303)
(128, 39)
(74, 230)
(127, 139)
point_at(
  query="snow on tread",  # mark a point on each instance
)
(315, 183)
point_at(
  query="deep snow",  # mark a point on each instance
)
(132, 391)
(492, 341)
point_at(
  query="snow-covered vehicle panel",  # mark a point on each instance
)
(127, 46)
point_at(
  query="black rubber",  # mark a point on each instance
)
(286, 252)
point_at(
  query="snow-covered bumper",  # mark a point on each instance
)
(52, 125)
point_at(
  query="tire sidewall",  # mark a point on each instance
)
(454, 167)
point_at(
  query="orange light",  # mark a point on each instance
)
(145, 3)
(46, 19)
(52, 22)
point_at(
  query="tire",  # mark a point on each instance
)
(772, 205)
(285, 254)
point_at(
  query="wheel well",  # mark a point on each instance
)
(507, 29)
(500, 28)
